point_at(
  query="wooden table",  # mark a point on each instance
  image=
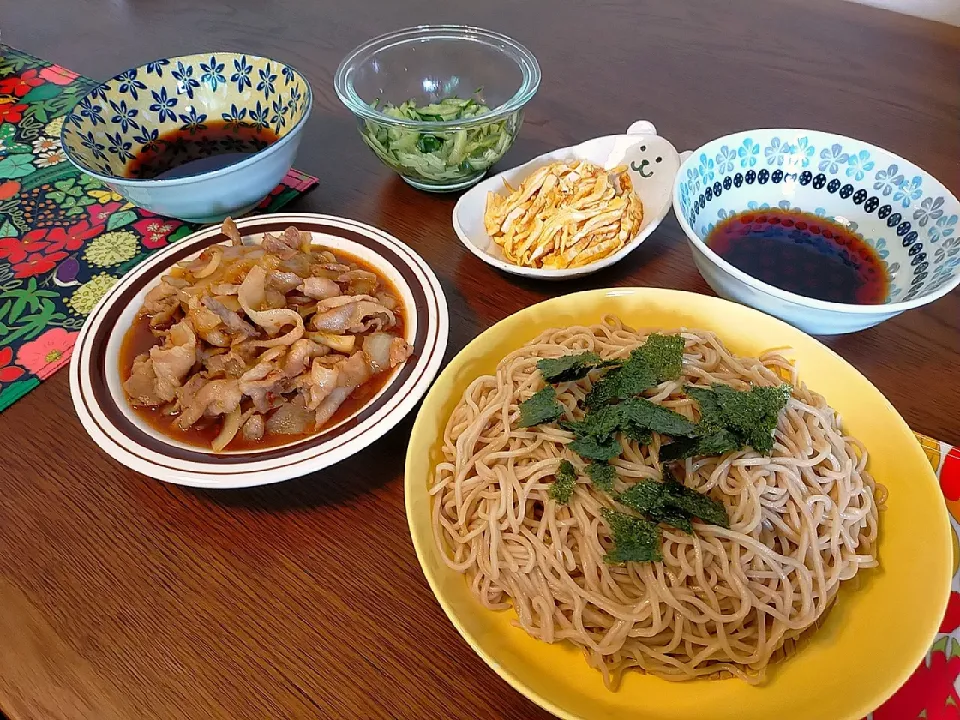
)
(122, 597)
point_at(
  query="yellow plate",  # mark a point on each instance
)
(871, 640)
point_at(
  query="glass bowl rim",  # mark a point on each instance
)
(525, 60)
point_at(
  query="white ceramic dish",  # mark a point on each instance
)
(653, 164)
(95, 381)
(906, 215)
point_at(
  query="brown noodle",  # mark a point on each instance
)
(722, 602)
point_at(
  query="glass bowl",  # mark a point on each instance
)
(425, 65)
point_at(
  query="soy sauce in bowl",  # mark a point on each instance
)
(199, 149)
(802, 253)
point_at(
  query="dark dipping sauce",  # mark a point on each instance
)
(802, 253)
(139, 339)
(199, 149)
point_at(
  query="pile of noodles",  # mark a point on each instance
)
(723, 601)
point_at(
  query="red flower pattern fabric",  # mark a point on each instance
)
(10, 112)
(48, 353)
(155, 230)
(8, 372)
(22, 84)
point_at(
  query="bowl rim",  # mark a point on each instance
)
(802, 300)
(229, 169)
(526, 61)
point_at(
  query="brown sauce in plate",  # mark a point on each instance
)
(802, 253)
(139, 339)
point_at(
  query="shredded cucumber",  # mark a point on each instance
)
(441, 156)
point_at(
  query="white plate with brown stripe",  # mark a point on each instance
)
(100, 365)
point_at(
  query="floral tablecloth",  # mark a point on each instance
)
(932, 691)
(65, 238)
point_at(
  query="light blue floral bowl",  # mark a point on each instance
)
(904, 213)
(136, 110)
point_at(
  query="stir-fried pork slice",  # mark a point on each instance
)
(216, 397)
(330, 405)
(319, 288)
(319, 383)
(141, 386)
(283, 282)
(300, 355)
(354, 317)
(231, 319)
(161, 304)
(230, 363)
(359, 282)
(263, 383)
(235, 343)
(277, 246)
(400, 350)
(351, 374)
(157, 377)
(191, 387)
(299, 239)
(331, 303)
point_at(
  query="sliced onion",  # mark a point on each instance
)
(218, 338)
(289, 339)
(203, 319)
(230, 302)
(376, 346)
(225, 289)
(231, 425)
(253, 428)
(252, 294)
(340, 343)
(212, 265)
(306, 241)
(229, 228)
(274, 299)
(270, 355)
(330, 405)
(291, 418)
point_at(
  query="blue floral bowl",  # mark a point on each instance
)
(905, 214)
(151, 108)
